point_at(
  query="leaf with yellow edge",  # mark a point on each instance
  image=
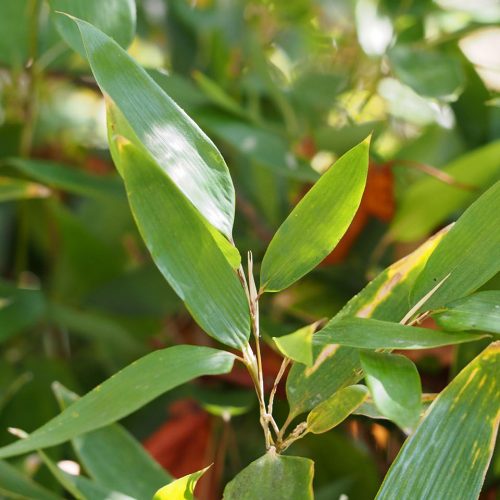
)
(182, 488)
(449, 453)
(384, 298)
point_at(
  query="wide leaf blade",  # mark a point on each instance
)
(467, 257)
(395, 387)
(185, 250)
(183, 151)
(317, 223)
(273, 476)
(480, 311)
(125, 392)
(364, 333)
(449, 453)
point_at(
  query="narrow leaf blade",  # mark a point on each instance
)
(469, 253)
(125, 392)
(112, 456)
(364, 333)
(317, 223)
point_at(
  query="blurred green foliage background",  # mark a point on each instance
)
(283, 88)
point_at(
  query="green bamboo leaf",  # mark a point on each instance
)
(384, 298)
(273, 476)
(15, 29)
(80, 487)
(452, 446)
(298, 345)
(18, 189)
(191, 260)
(125, 392)
(469, 254)
(112, 457)
(68, 179)
(336, 409)
(395, 387)
(480, 311)
(264, 147)
(430, 202)
(317, 223)
(364, 333)
(429, 73)
(14, 484)
(180, 489)
(116, 18)
(20, 309)
(186, 155)
(368, 408)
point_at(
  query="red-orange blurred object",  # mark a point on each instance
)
(181, 444)
(377, 202)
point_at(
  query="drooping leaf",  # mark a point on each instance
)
(365, 333)
(298, 345)
(18, 189)
(273, 476)
(395, 387)
(317, 223)
(480, 311)
(428, 73)
(429, 202)
(469, 254)
(191, 260)
(125, 392)
(180, 489)
(384, 298)
(112, 457)
(186, 155)
(336, 409)
(69, 179)
(116, 18)
(452, 446)
(14, 484)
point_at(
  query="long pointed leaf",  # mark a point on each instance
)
(317, 223)
(449, 453)
(469, 253)
(125, 392)
(185, 250)
(183, 151)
